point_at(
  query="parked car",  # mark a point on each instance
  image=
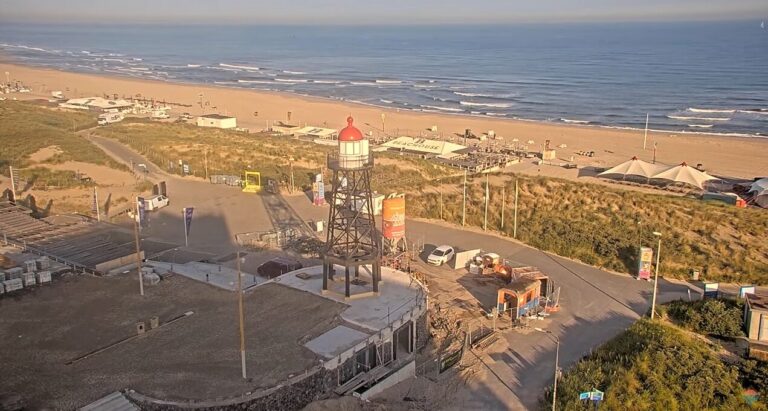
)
(278, 266)
(156, 202)
(441, 255)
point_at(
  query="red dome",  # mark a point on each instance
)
(350, 132)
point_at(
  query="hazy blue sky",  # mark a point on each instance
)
(377, 11)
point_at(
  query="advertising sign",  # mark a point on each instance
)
(318, 190)
(142, 212)
(644, 263)
(394, 218)
(746, 289)
(711, 290)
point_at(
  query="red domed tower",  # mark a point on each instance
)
(352, 242)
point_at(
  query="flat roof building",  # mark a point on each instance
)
(756, 325)
(217, 121)
(97, 104)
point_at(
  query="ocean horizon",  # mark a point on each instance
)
(688, 77)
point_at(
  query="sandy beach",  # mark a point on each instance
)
(727, 156)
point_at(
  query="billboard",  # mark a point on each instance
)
(711, 290)
(644, 263)
(393, 218)
(318, 190)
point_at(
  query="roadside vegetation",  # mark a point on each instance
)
(652, 366)
(717, 317)
(27, 127)
(605, 226)
(231, 152)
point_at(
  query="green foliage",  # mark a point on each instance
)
(40, 178)
(651, 366)
(26, 128)
(754, 374)
(605, 226)
(710, 316)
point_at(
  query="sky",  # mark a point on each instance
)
(347, 12)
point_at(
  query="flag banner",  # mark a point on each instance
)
(188, 218)
(142, 212)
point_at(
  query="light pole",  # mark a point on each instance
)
(557, 363)
(656, 276)
(240, 307)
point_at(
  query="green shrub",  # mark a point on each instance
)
(709, 316)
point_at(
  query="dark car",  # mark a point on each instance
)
(278, 266)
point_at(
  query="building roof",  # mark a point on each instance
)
(423, 145)
(350, 132)
(97, 102)
(216, 116)
(756, 301)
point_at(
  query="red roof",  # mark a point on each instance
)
(350, 132)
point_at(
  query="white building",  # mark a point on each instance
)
(98, 104)
(216, 120)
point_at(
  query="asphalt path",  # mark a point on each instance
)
(596, 304)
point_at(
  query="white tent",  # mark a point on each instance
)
(634, 167)
(760, 186)
(685, 174)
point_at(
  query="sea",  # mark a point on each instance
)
(686, 77)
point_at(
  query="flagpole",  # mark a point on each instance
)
(645, 136)
(514, 230)
(487, 194)
(503, 203)
(184, 221)
(96, 199)
(464, 203)
(138, 250)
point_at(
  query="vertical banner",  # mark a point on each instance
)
(319, 190)
(644, 263)
(142, 207)
(95, 205)
(187, 213)
(711, 290)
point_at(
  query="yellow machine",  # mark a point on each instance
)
(252, 182)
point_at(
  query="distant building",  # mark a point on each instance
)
(216, 120)
(423, 146)
(756, 325)
(97, 104)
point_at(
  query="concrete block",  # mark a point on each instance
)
(43, 277)
(30, 266)
(43, 263)
(2, 276)
(14, 273)
(151, 278)
(154, 322)
(13, 285)
(29, 279)
(140, 328)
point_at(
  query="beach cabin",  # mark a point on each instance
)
(756, 325)
(521, 298)
(217, 121)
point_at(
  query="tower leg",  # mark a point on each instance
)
(346, 273)
(376, 274)
(357, 271)
(325, 276)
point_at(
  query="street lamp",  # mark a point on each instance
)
(557, 361)
(656, 276)
(240, 309)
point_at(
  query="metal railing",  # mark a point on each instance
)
(350, 162)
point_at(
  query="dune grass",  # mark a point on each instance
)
(27, 127)
(605, 226)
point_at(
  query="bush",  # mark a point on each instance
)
(710, 316)
(651, 366)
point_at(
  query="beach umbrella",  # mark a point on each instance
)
(531, 142)
(515, 140)
(634, 167)
(683, 173)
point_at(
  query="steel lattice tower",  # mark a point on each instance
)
(352, 240)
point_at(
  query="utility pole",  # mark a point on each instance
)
(656, 276)
(242, 321)
(503, 204)
(13, 180)
(205, 161)
(514, 229)
(464, 203)
(291, 164)
(440, 189)
(96, 201)
(487, 195)
(138, 250)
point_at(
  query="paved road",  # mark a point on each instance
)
(597, 305)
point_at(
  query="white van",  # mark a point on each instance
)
(156, 202)
(109, 118)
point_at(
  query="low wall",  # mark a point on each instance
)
(408, 371)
